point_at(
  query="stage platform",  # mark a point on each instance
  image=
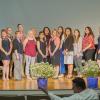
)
(28, 88)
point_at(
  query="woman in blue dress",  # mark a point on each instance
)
(62, 66)
(41, 47)
(6, 48)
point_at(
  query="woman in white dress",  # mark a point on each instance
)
(68, 50)
(77, 51)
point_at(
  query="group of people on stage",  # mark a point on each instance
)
(61, 47)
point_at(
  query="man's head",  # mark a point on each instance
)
(78, 85)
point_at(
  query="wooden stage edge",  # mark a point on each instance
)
(61, 87)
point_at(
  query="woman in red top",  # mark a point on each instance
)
(30, 51)
(88, 45)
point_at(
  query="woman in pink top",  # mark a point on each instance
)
(30, 52)
(88, 45)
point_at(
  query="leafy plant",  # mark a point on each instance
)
(43, 70)
(90, 69)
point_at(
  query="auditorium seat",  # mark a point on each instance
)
(38, 98)
(12, 98)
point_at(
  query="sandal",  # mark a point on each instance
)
(69, 76)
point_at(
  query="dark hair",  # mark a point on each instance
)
(90, 31)
(39, 35)
(41, 32)
(18, 25)
(17, 32)
(48, 30)
(3, 30)
(47, 36)
(79, 82)
(68, 28)
(62, 31)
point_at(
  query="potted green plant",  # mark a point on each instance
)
(91, 71)
(42, 71)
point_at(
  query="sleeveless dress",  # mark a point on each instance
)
(30, 48)
(55, 59)
(6, 47)
(43, 49)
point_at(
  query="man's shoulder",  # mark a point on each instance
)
(90, 94)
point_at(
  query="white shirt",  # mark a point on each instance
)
(87, 94)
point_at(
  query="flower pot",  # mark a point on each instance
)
(92, 82)
(42, 82)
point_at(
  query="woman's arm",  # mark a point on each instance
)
(10, 46)
(80, 45)
(15, 46)
(16, 53)
(90, 43)
(47, 50)
(49, 47)
(57, 43)
(34, 38)
(24, 43)
(1, 48)
(86, 47)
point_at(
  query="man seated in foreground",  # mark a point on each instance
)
(80, 90)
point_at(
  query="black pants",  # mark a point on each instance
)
(89, 54)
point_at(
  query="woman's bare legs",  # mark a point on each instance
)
(56, 71)
(7, 73)
(5, 69)
(70, 71)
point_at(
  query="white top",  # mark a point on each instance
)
(78, 47)
(87, 94)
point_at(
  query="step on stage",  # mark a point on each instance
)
(28, 90)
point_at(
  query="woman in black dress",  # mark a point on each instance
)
(11, 36)
(47, 34)
(6, 48)
(54, 50)
(41, 46)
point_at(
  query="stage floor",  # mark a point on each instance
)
(24, 84)
(61, 86)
